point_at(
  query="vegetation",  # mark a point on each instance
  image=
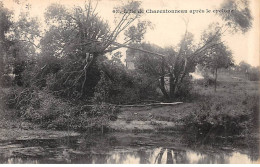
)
(66, 81)
(231, 111)
(251, 73)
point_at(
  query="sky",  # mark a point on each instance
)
(168, 28)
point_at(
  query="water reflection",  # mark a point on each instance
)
(120, 148)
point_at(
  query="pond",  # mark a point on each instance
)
(126, 148)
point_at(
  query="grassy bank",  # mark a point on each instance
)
(232, 110)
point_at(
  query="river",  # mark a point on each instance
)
(126, 148)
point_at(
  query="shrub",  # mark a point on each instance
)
(221, 116)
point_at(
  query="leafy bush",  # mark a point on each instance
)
(222, 116)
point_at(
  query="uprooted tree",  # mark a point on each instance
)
(76, 42)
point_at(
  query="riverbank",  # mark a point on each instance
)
(21, 134)
(20, 130)
(234, 107)
(210, 127)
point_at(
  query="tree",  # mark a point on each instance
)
(169, 63)
(240, 19)
(135, 34)
(17, 43)
(254, 74)
(244, 68)
(150, 64)
(22, 48)
(251, 73)
(5, 22)
(217, 57)
(78, 37)
(183, 61)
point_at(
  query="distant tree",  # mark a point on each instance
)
(254, 74)
(250, 72)
(244, 67)
(217, 57)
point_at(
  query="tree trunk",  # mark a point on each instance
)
(172, 87)
(87, 66)
(175, 86)
(216, 76)
(162, 87)
(162, 83)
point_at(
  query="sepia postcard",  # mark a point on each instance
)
(129, 81)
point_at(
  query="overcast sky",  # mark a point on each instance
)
(169, 27)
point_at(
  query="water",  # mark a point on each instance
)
(126, 148)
